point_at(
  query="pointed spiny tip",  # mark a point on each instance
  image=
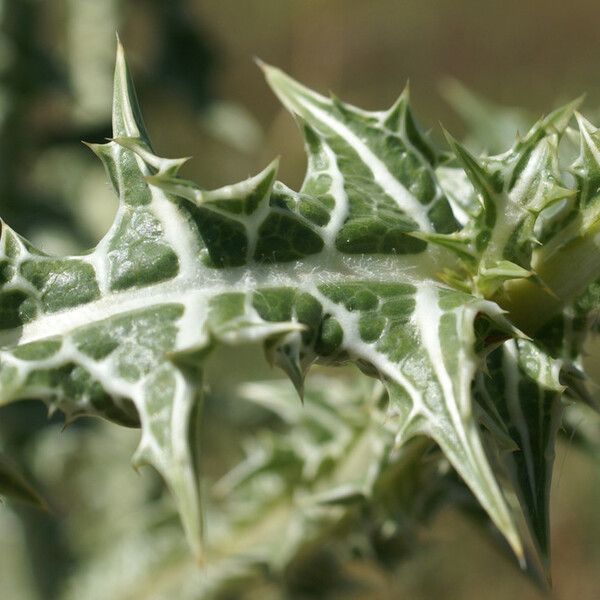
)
(192, 521)
(450, 139)
(269, 71)
(520, 555)
(260, 63)
(120, 50)
(97, 149)
(585, 126)
(406, 91)
(299, 387)
(179, 162)
(575, 104)
(286, 88)
(559, 119)
(165, 166)
(274, 164)
(274, 76)
(270, 171)
(521, 335)
(171, 166)
(395, 114)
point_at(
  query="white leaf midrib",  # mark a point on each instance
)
(192, 290)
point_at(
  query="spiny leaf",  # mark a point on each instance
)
(521, 394)
(587, 170)
(345, 270)
(382, 169)
(517, 191)
(70, 342)
(122, 332)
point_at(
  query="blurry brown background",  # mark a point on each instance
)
(532, 54)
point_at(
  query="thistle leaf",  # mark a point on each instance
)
(522, 395)
(375, 166)
(348, 269)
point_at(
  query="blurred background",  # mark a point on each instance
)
(202, 96)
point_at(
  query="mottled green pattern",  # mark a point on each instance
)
(366, 165)
(388, 258)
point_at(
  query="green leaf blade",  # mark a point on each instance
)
(343, 271)
(389, 184)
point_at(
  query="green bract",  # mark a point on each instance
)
(433, 273)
